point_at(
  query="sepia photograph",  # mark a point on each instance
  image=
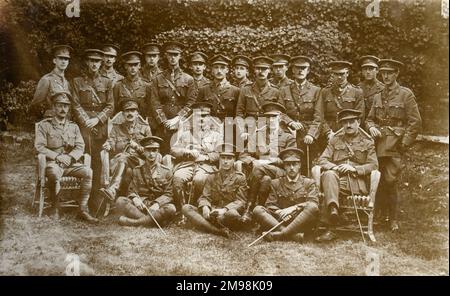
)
(224, 138)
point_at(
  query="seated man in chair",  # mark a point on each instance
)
(123, 144)
(61, 142)
(150, 193)
(195, 153)
(346, 162)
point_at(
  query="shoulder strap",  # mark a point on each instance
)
(172, 86)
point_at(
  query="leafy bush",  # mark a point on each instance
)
(411, 31)
(15, 104)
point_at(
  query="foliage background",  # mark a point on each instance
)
(411, 31)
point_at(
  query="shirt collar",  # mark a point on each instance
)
(293, 180)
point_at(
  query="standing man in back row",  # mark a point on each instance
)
(394, 121)
(109, 59)
(339, 96)
(370, 84)
(54, 81)
(93, 103)
(241, 69)
(300, 99)
(280, 66)
(172, 94)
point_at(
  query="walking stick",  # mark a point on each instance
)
(287, 218)
(153, 218)
(356, 210)
(307, 160)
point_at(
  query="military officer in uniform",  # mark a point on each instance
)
(151, 68)
(123, 146)
(133, 86)
(394, 121)
(241, 69)
(223, 199)
(370, 85)
(340, 95)
(54, 81)
(346, 162)
(292, 194)
(280, 66)
(150, 193)
(219, 92)
(93, 103)
(172, 94)
(195, 153)
(61, 142)
(109, 58)
(198, 66)
(252, 97)
(300, 99)
(262, 160)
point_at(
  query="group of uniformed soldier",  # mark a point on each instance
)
(206, 179)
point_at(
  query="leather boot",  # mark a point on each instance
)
(247, 215)
(265, 219)
(264, 189)
(84, 210)
(198, 221)
(125, 221)
(302, 222)
(110, 192)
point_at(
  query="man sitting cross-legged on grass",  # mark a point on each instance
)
(223, 199)
(292, 194)
(150, 194)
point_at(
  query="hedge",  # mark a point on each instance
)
(411, 31)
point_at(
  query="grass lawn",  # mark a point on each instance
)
(39, 246)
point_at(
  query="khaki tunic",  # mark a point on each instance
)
(47, 86)
(284, 193)
(396, 115)
(53, 139)
(358, 151)
(332, 100)
(153, 184)
(223, 98)
(228, 191)
(369, 92)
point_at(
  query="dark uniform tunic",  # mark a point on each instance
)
(332, 100)
(111, 74)
(300, 102)
(136, 89)
(369, 92)
(223, 97)
(261, 174)
(149, 74)
(395, 113)
(279, 83)
(152, 183)
(170, 97)
(285, 193)
(93, 97)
